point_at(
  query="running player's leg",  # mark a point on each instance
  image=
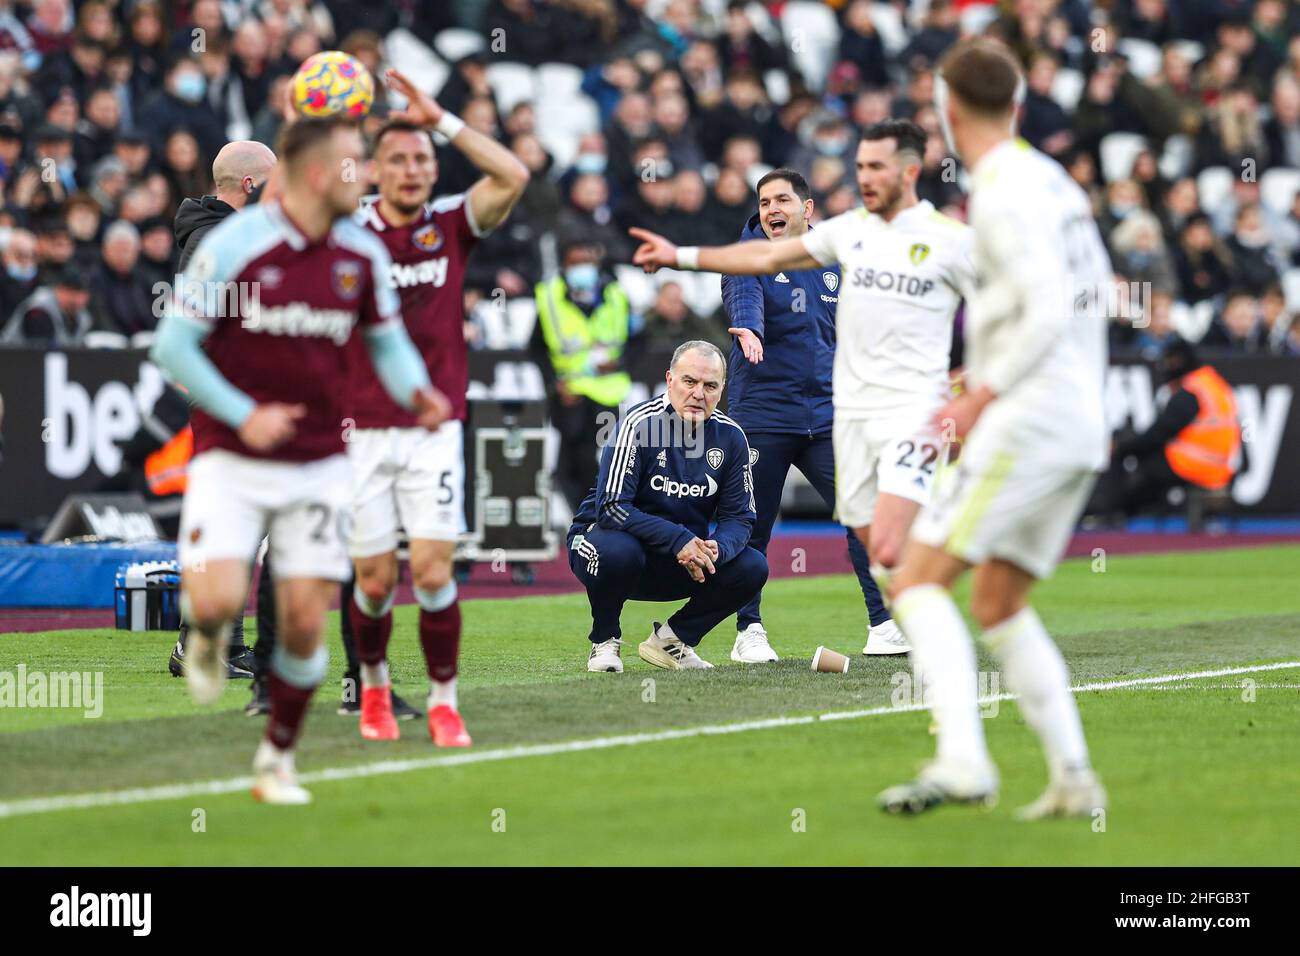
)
(943, 663)
(817, 463)
(1030, 661)
(222, 521)
(440, 630)
(309, 552)
(430, 489)
(771, 454)
(373, 546)
(298, 666)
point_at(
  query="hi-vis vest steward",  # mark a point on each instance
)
(578, 344)
(165, 470)
(1208, 451)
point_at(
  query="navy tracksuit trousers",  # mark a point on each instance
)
(616, 568)
(814, 456)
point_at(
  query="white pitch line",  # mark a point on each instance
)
(177, 791)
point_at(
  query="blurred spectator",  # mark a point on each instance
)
(1233, 134)
(1180, 203)
(1277, 319)
(1138, 252)
(97, 131)
(1044, 122)
(588, 216)
(1157, 329)
(940, 31)
(1238, 327)
(19, 279)
(468, 78)
(741, 46)
(672, 120)
(156, 251)
(120, 300)
(83, 217)
(1282, 130)
(54, 247)
(1250, 248)
(55, 314)
(742, 112)
(185, 168)
(181, 104)
(586, 338)
(1204, 264)
(670, 321)
(860, 44)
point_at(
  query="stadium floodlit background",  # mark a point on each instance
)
(1180, 117)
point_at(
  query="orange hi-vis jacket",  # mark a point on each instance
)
(1208, 451)
(165, 470)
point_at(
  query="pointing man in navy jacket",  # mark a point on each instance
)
(675, 468)
(780, 370)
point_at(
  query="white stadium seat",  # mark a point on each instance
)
(813, 38)
(1067, 88)
(977, 17)
(1118, 151)
(1143, 57)
(640, 288)
(1213, 185)
(521, 319)
(1176, 160)
(558, 80)
(512, 83)
(106, 340)
(1291, 289)
(1277, 189)
(1196, 321)
(889, 24)
(407, 53)
(1192, 51)
(454, 43)
(777, 84)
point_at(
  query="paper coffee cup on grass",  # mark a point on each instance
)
(828, 661)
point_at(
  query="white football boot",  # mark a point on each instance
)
(205, 665)
(664, 649)
(943, 782)
(275, 780)
(1078, 793)
(605, 657)
(886, 638)
(751, 646)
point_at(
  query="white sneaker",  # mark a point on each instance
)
(664, 649)
(1077, 794)
(885, 639)
(605, 657)
(205, 665)
(751, 646)
(938, 783)
(275, 780)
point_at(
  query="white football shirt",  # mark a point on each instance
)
(900, 285)
(1036, 326)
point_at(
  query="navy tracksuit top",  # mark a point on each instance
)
(794, 314)
(664, 485)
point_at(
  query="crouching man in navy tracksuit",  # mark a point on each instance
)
(674, 467)
(781, 361)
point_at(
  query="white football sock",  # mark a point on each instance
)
(269, 756)
(1036, 672)
(374, 675)
(442, 692)
(944, 656)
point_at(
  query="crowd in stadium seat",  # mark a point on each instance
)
(1181, 119)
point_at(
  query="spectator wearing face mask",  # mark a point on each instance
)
(19, 279)
(1251, 247)
(182, 103)
(587, 337)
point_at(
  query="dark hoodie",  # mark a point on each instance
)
(193, 220)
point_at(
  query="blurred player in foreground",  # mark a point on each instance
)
(403, 476)
(1033, 419)
(904, 270)
(258, 336)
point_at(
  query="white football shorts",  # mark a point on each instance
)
(231, 501)
(1001, 500)
(896, 454)
(406, 478)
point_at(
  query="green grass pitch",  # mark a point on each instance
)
(1200, 771)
